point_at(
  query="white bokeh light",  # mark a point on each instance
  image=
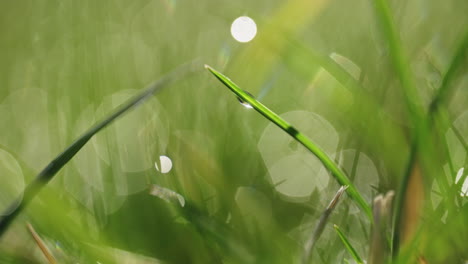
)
(165, 164)
(243, 29)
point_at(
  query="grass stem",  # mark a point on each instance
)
(327, 162)
(348, 245)
(63, 158)
(318, 230)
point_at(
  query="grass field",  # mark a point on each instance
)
(239, 162)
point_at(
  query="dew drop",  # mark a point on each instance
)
(244, 103)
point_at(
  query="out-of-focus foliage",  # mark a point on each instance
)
(250, 193)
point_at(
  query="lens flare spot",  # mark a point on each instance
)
(165, 165)
(243, 29)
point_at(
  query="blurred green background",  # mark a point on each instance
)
(250, 193)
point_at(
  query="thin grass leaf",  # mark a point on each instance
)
(348, 245)
(420, 133)
(318, 230)
(457, 61)
(45, 250)
(335, 170)
(441, 97)
(63, 158)
(399, 60)
(332, 67)
(400, 199)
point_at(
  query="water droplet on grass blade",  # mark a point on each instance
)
(244, 103)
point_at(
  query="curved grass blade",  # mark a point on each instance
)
(318, 230)
(348, 245)
(339, 175)
(63, 158)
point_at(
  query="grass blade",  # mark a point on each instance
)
(309, 246)
(444, 90)
(348, 245)
(63, 158)
(399, 60)
(45, 250)
(413, 104)
(335, 170)
(440, 98)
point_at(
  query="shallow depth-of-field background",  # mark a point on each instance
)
(247, 192)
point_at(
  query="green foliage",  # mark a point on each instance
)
(301, 138)
(376, 89)
(348, 245)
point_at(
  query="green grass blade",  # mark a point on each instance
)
(348, 245)
(63, 158)
(399, 60)
(42, 246)
(332, 67)
(414, 106)
(318, 230)
(457, 61)
(440, 98)
(335, 170)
